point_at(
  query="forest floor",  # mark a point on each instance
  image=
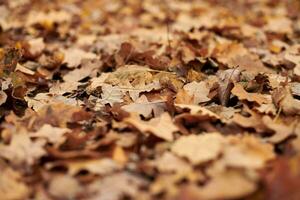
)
(152, 99)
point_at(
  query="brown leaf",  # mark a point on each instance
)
(247, 151)
(52, 134)
(284, 100)
(199, 148)
(22, 150)
(227, 185)
(161, 126)
(94, 166)
(227, 79)
(3, 97)
(168, 162)
(145, 108)
(242, 94)
(282, 181)
(198, 92)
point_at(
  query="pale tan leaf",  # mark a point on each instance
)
(228, 185)
(53, 135)
(162, 126)
(145, 108)
(73, 56)
(199, 148)
(22, 150)
(247, 151)
(11, 186)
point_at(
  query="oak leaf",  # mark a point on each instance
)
(199, 149)
(22, 150)
(161, 126)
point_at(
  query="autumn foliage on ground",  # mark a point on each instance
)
(152, 99)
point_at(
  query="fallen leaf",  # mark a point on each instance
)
(36, 46)
(22, 150)
(65, 187)
(282, 180)
(161, 126)
(198, 91)
(74, 56)
(115, 186)
(145, 108)
(247, 152)
(3, 97)
(242, 94)
(227, 185)
(11, 185)
(199, 149)
(168, 162)
(284, 100)
(94, 166)
(53, 135)
(227, 79)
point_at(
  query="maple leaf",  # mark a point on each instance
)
(161, 126)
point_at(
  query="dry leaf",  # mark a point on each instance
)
(74, 56)
(199, 148)
(228, 185)
(94, 166)
(198, 91)
(168, 162)
(116, 186)
(145, 108)
(248, 152)
(22, 150)
(3, 97)
(284, 100)
(11, 186)
(65, 187)
(36, 46)
(227, 79)
(53, 135)
(161, 126)
(242, 94)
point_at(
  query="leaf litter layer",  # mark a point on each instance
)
(108, 100)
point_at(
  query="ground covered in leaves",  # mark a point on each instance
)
(152, 99)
